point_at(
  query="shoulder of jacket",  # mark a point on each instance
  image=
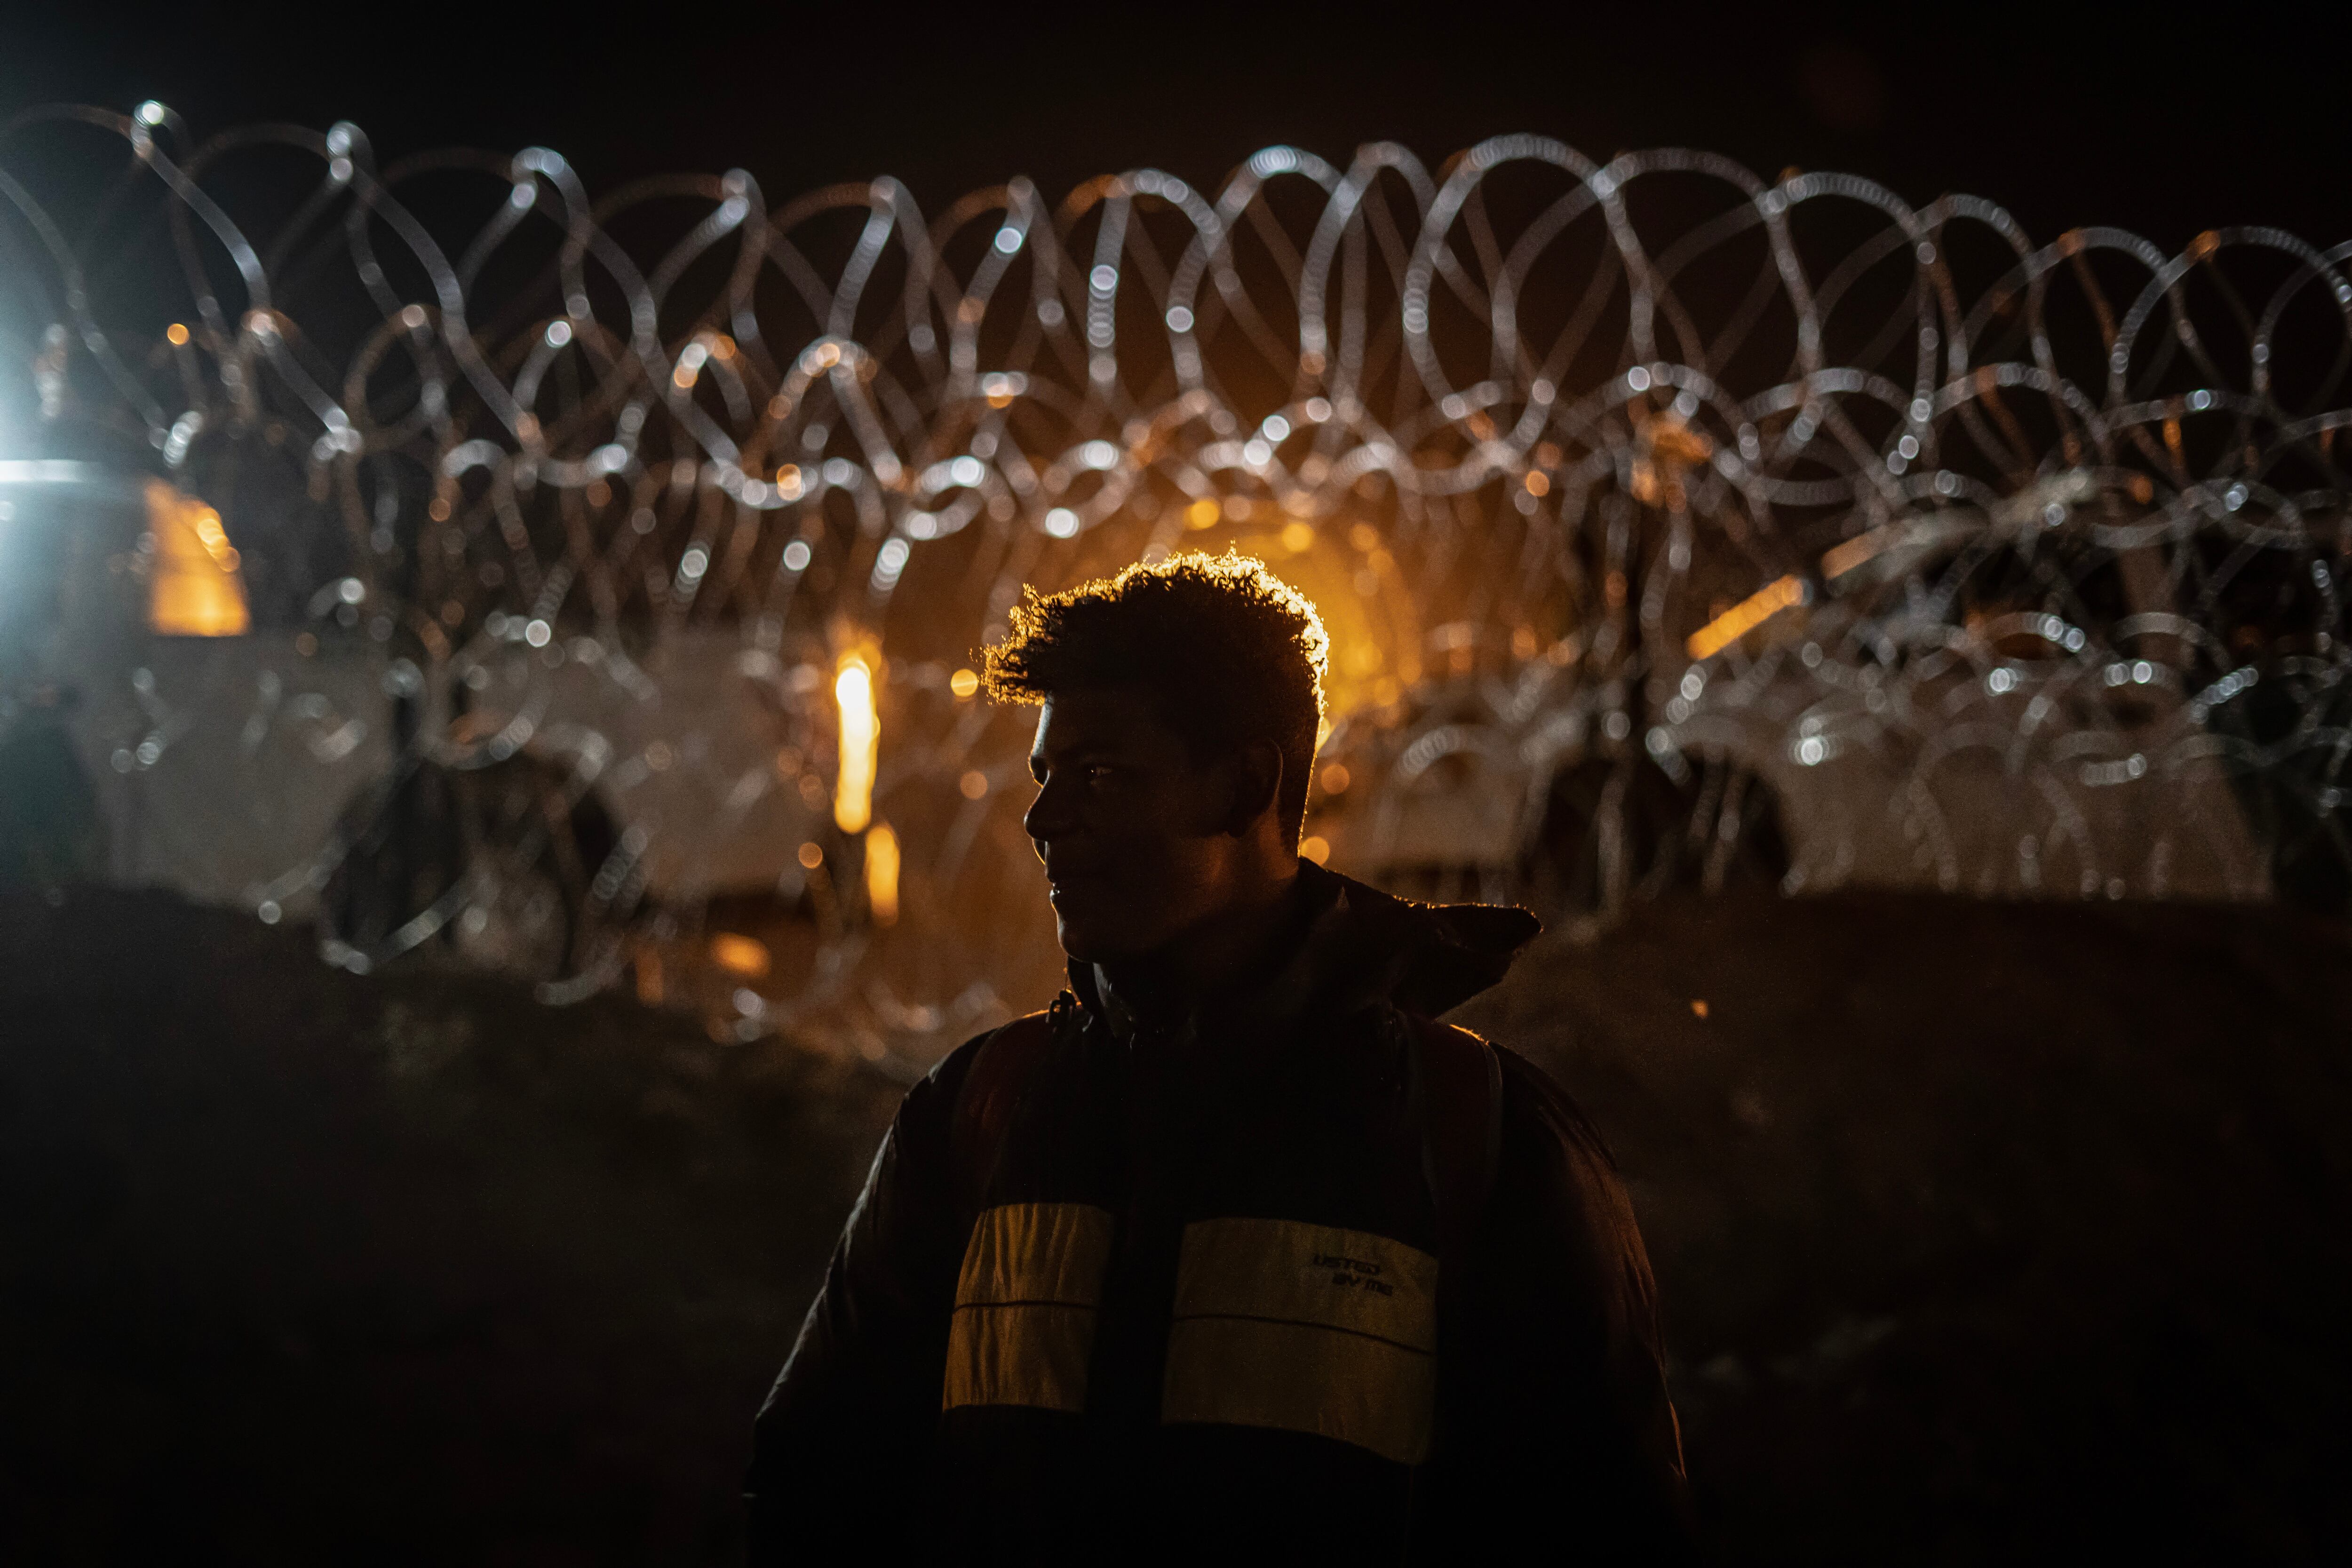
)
(1449, 1036)
(1017, 1045)
(1464, 1067)
(1538, 1105)
(1002, 1063)
(1462, 1083)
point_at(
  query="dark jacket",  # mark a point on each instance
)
(1301, 1272)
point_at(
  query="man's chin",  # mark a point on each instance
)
(1086, 942)
(1081, 944)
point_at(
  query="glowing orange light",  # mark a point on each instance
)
(1536, 483)
(1859, 550)
(882, 873)
(193, 586)
(740, 955)
(1316, 849)
(812, 854)
(963, 683)
(1297, 538)
(861, 744)
(1698, 1009)
(973, 784)
(1335, 778)
(178, 333)
(1202, 513)
(1746, 616)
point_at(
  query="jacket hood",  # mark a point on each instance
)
(1362, 946)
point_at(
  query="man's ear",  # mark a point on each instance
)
(1257, 785)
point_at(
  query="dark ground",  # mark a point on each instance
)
(1985, 1232)
(299, 1268)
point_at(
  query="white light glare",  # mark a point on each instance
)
(890, 563)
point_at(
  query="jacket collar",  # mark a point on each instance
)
(1355, 946)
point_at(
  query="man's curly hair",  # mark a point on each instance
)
(1225, 652)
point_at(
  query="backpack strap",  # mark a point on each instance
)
(991, 1092)
(1462, 1084)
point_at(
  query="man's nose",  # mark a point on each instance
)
(1048, 815)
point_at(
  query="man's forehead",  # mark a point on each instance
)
(1102, 719)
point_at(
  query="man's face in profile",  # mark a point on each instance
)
(1132, 830)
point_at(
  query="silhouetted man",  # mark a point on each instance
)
(1233, 1252)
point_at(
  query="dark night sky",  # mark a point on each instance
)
(2166, 122)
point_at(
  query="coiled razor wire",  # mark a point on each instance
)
(1981, 564)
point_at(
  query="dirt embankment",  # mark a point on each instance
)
(1984, 1232)
(300, 1267)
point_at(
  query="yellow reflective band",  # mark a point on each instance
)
(1307, 1328)
(1024, 1329)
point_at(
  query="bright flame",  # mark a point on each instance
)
(882, 873)
(193, 586)
(861, 744)
(1746, 616)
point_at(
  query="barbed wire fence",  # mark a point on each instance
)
(610, 562)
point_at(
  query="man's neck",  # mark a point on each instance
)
(1227, 948)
